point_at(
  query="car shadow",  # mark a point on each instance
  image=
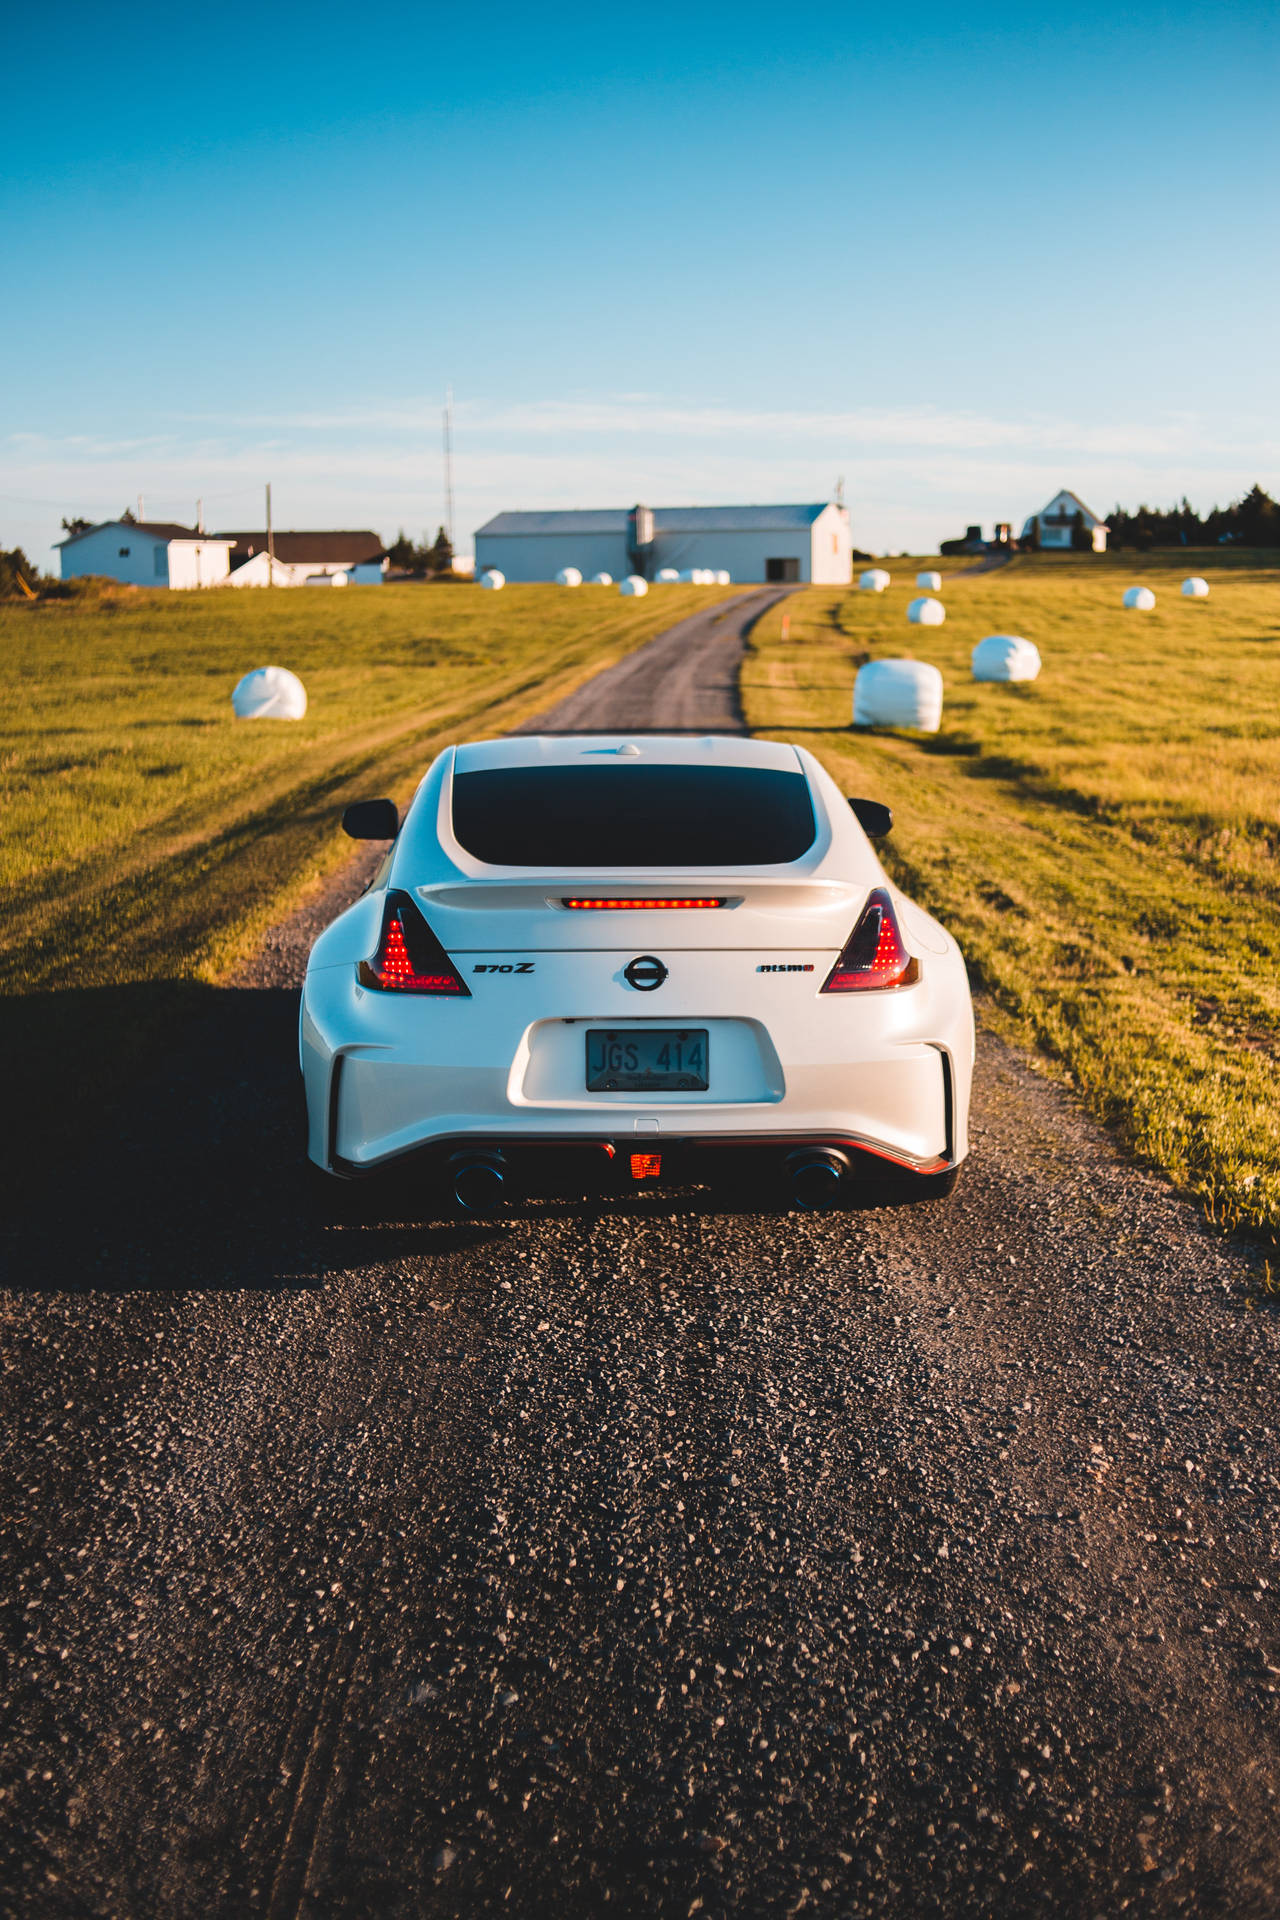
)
(163, 1148)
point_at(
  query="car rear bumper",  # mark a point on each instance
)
(685, 1149)
(883, 1074)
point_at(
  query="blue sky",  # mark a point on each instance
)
(678, 254)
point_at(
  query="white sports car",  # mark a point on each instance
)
(636, 960)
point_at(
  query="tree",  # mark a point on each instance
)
(401, 553)
(17, 576)
(1081, 538)
(439, 557)
(76, 525)
(1258, 519)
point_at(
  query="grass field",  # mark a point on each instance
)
(1103, 842)
(149, 838)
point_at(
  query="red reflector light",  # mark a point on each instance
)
(646, 1166)
(874, 955)
(409, 958)
(601, 906)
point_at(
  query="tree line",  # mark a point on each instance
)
(1252, 521)
(430, 561)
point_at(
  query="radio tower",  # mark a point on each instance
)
(448, 463)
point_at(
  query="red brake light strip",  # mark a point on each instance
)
(599, 906)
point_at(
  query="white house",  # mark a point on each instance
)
(303, 557)
(801, 543)
(1057, 520)
(147, 553)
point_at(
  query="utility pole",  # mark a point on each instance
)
(448, 463)
(271, 543)
(142, 513)
(199, 516)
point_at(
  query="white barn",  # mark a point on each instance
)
(147, 553)
(1056, 521)
(801, 543)
(302, 557)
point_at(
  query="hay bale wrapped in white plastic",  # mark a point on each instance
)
(492, 579)
(633, 584)
(568, 577)
(666, 576)
(1195, 588)
(602, 579)
(1005, 656)
(898, 693)
(696, 577)
(874, 580)
(925, 612)
(929, 580)
(269, 693)
(723, 578)
(1140, 597)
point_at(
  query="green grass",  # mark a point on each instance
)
(1102, 842)
(148, 834)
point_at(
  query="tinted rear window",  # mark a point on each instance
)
(629, 816)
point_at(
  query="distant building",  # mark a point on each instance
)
(155, 554)
(801, 543)
(1056, 522)
(303, 558)
(147, 553)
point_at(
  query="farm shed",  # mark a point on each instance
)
(1056, 523)
(147, 553)
(801, 543)
(360, 555)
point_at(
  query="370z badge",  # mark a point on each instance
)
(504, 966)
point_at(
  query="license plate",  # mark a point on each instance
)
(647, 1060)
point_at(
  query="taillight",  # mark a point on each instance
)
(409, 958)
(874, 955)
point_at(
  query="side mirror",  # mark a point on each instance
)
(873, 817)
(371, 820)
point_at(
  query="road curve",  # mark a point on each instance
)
(668, 1556)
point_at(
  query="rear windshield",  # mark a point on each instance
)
(629, 816)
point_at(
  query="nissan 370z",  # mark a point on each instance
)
(629, 961)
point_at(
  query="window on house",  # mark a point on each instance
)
(124, 553)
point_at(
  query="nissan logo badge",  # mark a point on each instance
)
(645, 974)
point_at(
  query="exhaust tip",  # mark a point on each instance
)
(478, 1186)
(816, 1178)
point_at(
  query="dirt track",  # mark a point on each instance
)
(652, 1558)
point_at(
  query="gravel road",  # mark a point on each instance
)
(685, 681)
(649, 1558)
